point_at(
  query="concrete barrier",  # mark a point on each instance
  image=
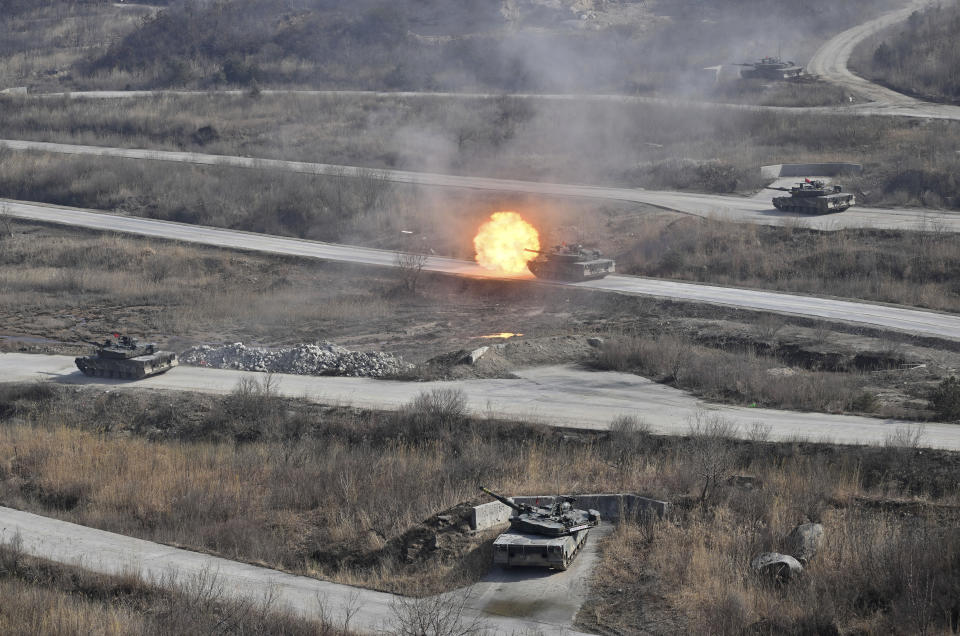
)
(612, 507)
(834, 169)
(489, 515)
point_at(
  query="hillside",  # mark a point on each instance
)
(919, 57)
(425, 44)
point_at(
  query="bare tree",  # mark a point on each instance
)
(759, 432)
(372, 185)
(906, 436)
(410, 265)
(678, 354)
(440, 615)
(11, 553)
(350, 609)
(5, 219)
(768, 325)
(711, 451)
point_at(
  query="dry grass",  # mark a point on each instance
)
(327, 492)
(910, 268)
(187, 288)
(741, 377)
(46, 599)
(39, 46)
(789, 94)
(606, 143)
(878, 573)
(318, 496)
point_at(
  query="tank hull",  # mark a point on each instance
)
(571, 271)
(134, 368)
(815, 205)
(517, 549)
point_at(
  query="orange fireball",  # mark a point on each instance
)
(502, 243)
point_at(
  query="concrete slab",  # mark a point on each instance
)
(831, 169)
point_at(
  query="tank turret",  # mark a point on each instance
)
(545, 536)
(570, 263)
(122, 357)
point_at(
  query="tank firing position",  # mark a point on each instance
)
(543, 536)
(813, 197)
(570, 263)
(123, 358)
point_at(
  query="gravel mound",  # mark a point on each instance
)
(322, 358)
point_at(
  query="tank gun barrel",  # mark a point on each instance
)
(504, 500)
(527, 249)
(776, 188)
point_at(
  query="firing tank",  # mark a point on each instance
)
(123, 358)
(543, 536)
(772, 68)
(570, 263)
(814, 197)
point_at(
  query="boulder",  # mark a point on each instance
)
(779, 567)
(805, 541)
(595, 342)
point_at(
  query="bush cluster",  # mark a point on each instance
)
(921, 57)
(946, 399)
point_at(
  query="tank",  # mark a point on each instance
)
(772, 68)
(543, 536)
(123, 358)
(814, 197)
(570, 263)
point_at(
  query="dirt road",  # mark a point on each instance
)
(914, 321)
(557, 395)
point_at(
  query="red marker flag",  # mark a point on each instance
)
(807, 180)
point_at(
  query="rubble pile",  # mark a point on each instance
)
(322, 358)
